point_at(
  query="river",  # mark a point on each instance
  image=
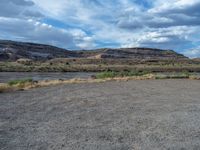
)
(8, 76)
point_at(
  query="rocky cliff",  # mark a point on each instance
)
(11, 50)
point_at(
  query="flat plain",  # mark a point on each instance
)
(139, 114)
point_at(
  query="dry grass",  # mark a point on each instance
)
(5, 87)
(193, 77)
(98, 65)
(29, 85)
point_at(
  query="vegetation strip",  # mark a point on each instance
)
(26, 84)
(92, 65)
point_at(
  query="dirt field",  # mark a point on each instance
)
(135, 115)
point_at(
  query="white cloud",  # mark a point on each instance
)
(172, 5)
(35, 31)
(19, 9)
(192, 53)
(171, 24)
(82, 39)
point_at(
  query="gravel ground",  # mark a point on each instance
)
(147, 114)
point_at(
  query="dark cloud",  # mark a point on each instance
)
(32, 14)
(189, 10)
(162, 18)
(18, 9)
(19, 2)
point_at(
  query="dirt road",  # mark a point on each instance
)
(151, 114)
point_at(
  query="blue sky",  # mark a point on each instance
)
(88, 24)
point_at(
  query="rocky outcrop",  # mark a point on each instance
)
(10, 50)
(136, 53)
(15, 50)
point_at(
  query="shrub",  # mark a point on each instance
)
(106, 74)
(20, 81)
(112, 74)
(25, 61)
(183, 75)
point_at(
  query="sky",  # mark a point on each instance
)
(90, 24)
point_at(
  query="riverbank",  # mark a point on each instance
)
(99, 66)
(40, 76)
(25, 84)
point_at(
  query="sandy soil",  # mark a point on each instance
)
(147, 114)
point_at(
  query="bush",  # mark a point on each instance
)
(106, 74)
(25, 61)
(183, 75)
(112, 74)
(21, 81)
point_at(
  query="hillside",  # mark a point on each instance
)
(11, 50)
(132, 53)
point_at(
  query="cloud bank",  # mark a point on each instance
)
(87, 24)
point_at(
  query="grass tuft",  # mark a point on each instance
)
(3, 88)
(19, 82)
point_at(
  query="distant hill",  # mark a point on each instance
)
(197, 59)
(11, 50)
(132, 53)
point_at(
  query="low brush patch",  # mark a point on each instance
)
(19, 82)
(113, 74)
(183, 75)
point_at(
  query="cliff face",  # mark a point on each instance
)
(14, 50)
(10, 50)
(134, 53)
